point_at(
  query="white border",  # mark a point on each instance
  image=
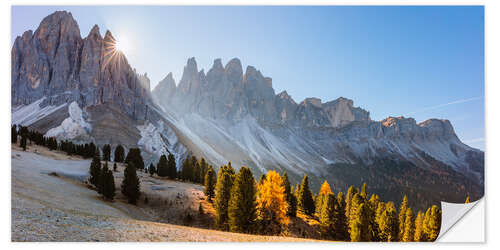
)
(492, 17)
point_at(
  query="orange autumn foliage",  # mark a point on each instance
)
(271, 202)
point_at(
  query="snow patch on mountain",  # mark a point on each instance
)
(72, 128)
(161, 140)
(26, 115)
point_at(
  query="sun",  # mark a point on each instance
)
(120, 46)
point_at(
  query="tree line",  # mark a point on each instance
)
(266, 206)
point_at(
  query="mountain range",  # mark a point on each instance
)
(82, 89)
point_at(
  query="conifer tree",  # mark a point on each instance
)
(409, 227)
(388, 223)
(102, 178)
(187, 169)
(107, 183)
(372, 210)
(402, 216)
(351, 191)
(242, 203)
(171, 167)
(119, 153)
(151, 169)
(290, 198)
(327, 214)
(203, 170)
(130, 185)
(225, 179)
(324, 191)
(13, 133)
(419, 230)
(210, 181)
(162, 166)
(305, 198)
(432, 223)
(95, 171)
(360, 229)
(271, 203)
(341, 222)
(134, 156)
(23, 142)
(106, 152)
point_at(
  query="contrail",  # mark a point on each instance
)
(446, 104)
(474, 140)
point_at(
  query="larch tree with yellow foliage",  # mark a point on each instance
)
(419, 234)
(324, 191)
(271, 203)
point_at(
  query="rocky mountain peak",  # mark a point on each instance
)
(316, 102)
(233, 69)
(95, 32)
(108, 37)
(218, 65)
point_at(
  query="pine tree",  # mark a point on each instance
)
(324, 191)
(23, 142)
(203, 170)
(242, 204)
(107, 185)
(388, 223)
(187, 169)
(210, 181)
(95, 171)
(171, 167)
(351, 191)
(271, 203)
(356, 201)
(373, 205)
(289, 197)
(130, 185)
(162, 169)
(432, 223)
(402, 216)
(106, 152)
(151, 169)
(305, 198)
(13, 133)
(225, 179)
(327, 215)
(134, 156)
(409, 227)
(119, 153)
(419, 230)
(341, 222)
(102, 178)
(359, 223)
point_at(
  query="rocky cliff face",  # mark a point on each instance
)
(230, 94)
(56, 63)
(53, 67)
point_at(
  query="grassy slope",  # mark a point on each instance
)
(62, 208)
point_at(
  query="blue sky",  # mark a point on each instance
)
(422, 62)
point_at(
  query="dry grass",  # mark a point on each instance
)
(51, 203)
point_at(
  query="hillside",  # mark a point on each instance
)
(50, 202)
